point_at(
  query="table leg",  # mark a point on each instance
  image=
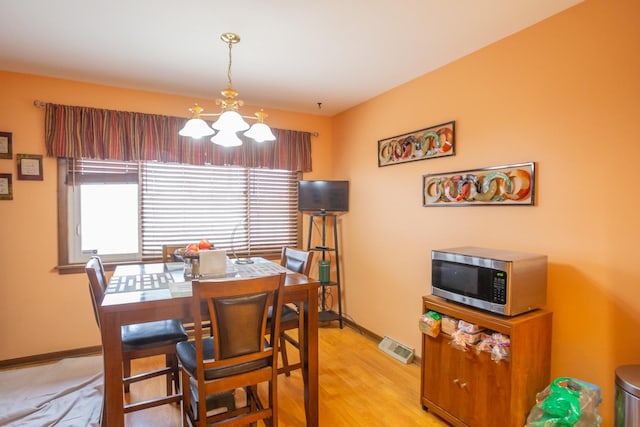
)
(113, 409)
(310, 356)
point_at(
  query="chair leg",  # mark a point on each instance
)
(186, 399)
(301, 342)
(126, 370)
(170, 362)
(283, 352)
(273, 401)
(252, 397)
(176, 372)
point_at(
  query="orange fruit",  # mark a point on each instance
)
(204, 244)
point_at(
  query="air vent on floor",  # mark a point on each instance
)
(396, 350)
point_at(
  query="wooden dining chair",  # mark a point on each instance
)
(299, 261)
(168, 251)
(167, 256)
(141, 340)
(241, 354)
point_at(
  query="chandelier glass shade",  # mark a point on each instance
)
(229, 121)
(226, 138)
(196, 127)
(260, 132)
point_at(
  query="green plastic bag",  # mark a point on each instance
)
(563, 403)
(566, 402)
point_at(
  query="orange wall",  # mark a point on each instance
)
(565, 94)
(41, 311)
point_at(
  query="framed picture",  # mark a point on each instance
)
(5, 145)
(6, 189)
(429, 143)
(30, 167)
(499, 185)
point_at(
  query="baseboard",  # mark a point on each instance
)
(50, 357)
(364, 331)
(87, 351)
(373, 336)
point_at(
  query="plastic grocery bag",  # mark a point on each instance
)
(566, 402)
(430, 323)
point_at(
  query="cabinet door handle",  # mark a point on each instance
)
(459, 384)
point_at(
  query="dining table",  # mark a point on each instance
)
(146, 292)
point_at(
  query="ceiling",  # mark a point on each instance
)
(293, 54)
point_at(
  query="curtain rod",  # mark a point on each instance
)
(42, 104)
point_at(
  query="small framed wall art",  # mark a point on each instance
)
(6, 189)
(498, 185)
(5, 145)
(30, 167)
(436, 141)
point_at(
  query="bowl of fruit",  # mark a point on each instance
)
(192, 249)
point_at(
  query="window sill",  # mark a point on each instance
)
(110, 266)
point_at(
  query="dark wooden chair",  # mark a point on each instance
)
(168, 251)
(168, 256)
(241, 354)
(299, 261)
(141, 340)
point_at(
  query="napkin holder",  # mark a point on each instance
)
(213, 261)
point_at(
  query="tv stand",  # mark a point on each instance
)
(326, 314)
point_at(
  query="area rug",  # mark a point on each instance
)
(65, 393)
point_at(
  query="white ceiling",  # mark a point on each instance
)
(293, 54)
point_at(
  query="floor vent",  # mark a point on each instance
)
(396, 350)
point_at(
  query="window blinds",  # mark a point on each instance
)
(248, 212)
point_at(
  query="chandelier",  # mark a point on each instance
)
(229, 121)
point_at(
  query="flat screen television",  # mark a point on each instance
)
(323, 196)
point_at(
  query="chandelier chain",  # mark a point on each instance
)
(229, 68)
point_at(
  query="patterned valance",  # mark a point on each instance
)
(82, 132)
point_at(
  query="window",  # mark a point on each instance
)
(95, 204)
(128, 210)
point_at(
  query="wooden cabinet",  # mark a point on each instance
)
(467, 388)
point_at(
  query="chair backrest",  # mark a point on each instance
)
(296, 260)
(168, 250)
(238, 312)
(97, 284)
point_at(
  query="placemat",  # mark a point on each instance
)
(258, 269)
(139, 282)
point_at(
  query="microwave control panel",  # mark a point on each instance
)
(499, 287)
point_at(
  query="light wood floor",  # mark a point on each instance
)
(359, 386)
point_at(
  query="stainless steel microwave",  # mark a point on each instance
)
(503, 282)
